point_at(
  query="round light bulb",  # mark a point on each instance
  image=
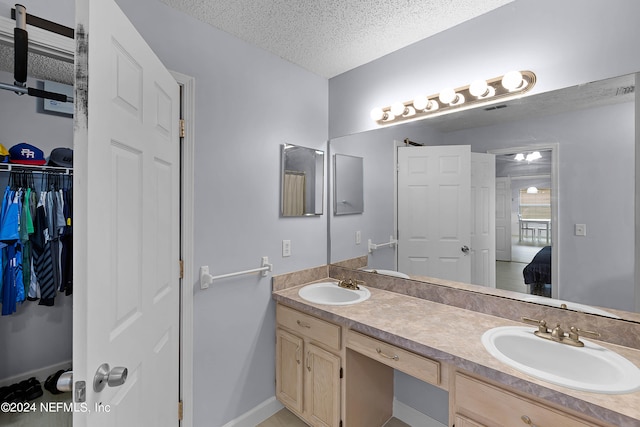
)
(377, 114)
(420, 102)
(397, 109)
(478, 88)
(532, 190)
(512, 80)
(447, 96)
(519, 157)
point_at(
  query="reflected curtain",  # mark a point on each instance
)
(294, 186)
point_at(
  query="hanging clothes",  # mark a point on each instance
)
(35, 240)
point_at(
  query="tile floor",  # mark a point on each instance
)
(284, 418)
(509, 274)
(53, 416)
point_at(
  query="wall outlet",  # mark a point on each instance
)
(581, 229)
(358, 237)
(286, 248)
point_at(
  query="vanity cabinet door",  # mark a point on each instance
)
(461, 421)
(322, 387)
(289, 369)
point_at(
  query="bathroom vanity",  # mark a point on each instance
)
(335, 366)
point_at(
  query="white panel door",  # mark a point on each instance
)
(434, 211)
(126, 231)
(503, 219)
(483, 214)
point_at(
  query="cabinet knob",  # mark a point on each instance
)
(527, 421)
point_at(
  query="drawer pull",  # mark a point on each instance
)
(394, 357)
(303, 324)
(527, 421)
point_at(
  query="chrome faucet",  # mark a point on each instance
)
(350, 284)
(558, 334)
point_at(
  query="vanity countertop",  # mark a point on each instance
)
(453, 335)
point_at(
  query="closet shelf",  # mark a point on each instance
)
(8, 167)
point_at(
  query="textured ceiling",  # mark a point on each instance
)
(329, 37)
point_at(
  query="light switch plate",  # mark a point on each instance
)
(358, 237)
(286, 248)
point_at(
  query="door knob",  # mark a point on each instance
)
(465, 249)
(111, 377)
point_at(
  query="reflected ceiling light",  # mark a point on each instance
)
(532, 190)
(519, 157)
(510, 85)
(534, 156)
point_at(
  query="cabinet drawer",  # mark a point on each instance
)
(417, 366)
(309, 326)
(497, 407)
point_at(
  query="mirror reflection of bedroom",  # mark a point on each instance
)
(523, 221)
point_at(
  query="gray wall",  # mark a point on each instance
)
(35, 336)
(565, 43)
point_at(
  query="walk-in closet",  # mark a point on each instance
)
(36, 321)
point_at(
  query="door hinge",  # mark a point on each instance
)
(181, 269)
(182, 128)
(340, 372)
(180, 407)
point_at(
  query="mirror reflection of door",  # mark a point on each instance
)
(524, 221)
(445, 218)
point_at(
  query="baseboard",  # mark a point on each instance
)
(256, 415)
(41, 374)
(413, 417)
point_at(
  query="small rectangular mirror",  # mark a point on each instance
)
(348, 183)
(302, 181)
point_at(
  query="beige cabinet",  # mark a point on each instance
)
(308, 366)
(480, 404)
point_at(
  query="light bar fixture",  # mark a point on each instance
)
(511, 85)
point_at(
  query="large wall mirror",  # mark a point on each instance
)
(585, 205)
(302, 181)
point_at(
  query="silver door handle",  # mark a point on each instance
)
(105, 376)
(465, 249)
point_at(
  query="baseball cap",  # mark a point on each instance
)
(4, 154)
(61, 157)
(26, 154)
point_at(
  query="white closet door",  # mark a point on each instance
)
(126, 231)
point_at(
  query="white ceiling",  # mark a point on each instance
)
(329, 37)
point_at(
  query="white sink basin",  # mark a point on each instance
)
(392, 273)
(590, 368)
(331, 294)
(568, 305)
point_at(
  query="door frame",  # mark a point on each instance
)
(63, 49)
(555, 197)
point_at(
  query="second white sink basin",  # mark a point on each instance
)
(331, 294)
(590, 368)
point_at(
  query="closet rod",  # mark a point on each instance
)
(8, 167)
